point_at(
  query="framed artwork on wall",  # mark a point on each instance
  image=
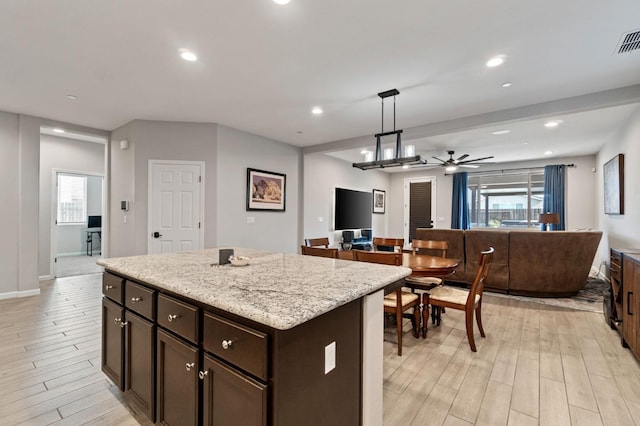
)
(265, 190)
(613, 173)
(379, 200)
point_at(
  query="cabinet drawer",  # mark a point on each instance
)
(113, 287)
(179, 317)
(140, 299)
(239, 345)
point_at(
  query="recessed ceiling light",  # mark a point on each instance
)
(451, 168)
(405, 166)
(316, 110)
(281, 1)
(506, 84)
(552, 123)
(188, 55)
(71, 97)
(501, 132)
(548, 152)
(364, 151)
(58, 130)
(495, 61)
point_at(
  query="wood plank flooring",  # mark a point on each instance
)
(539, 365)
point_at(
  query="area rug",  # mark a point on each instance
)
(588, 299)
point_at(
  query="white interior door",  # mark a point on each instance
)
(175, 206)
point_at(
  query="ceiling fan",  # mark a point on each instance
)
(451, 163)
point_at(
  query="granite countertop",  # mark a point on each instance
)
(279, 290)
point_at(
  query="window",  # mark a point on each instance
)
(506, 200)
(72, 199)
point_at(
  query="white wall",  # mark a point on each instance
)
(72, 156)
(322, 174)
(621, 231)
(275, 231)
(9, 199)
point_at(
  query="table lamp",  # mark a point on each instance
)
(549, 218)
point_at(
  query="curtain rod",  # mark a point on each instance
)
(510, 170)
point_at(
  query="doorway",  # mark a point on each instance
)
(176, 206)
(419, 204)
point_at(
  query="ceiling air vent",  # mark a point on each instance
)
(629, 42)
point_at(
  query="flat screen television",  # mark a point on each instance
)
(353, 209)
(94, 222)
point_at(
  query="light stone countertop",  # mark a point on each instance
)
(279, 290)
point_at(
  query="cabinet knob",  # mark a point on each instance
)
(172, 317)
(123, 324)
(108, 287)
(203, 374)
(136, 299)
(189, 365)
(117, 320)
(226, 344)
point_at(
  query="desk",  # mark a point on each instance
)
(91, 232)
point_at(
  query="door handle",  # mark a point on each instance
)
(156, 235)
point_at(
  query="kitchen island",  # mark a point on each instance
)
(285, 340)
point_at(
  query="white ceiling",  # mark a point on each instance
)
(262, 67)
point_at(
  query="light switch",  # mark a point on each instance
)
(320, 219)
(329, 357)
(251, 219)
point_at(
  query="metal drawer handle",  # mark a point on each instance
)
(226, 344)
(172, 317)
(136, 299)
(203, 374)
(108, 287)
(189, 365)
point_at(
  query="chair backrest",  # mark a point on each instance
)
(317, 242)
(378, 257)
(484, 265)
(388, 244)
(320, 251)
(439, 248)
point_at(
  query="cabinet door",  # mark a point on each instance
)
(631, 281)
(230, 398)
(113, 341)
(139, 363)
(177, 376)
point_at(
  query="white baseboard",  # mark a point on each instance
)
(79, 253)
(16, 294)
(46, 277)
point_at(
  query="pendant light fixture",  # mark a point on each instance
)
(387, 157)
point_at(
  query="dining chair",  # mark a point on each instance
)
(317, 242)
(399, 301)
(320, 251)
(388, 244)
(434, 248)
(469, 301)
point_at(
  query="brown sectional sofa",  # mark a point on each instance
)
(526, 262)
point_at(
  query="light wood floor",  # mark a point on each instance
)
(538, 365)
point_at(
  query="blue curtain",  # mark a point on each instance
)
(553, 202)
(460, 202)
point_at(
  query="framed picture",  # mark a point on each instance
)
(613, 172)
(378, 200)
(265, 190)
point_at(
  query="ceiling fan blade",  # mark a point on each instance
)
(462, 157)
(477, 159)
(442, 161)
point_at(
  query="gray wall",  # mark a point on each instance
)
(9, 199)
(67, 155)
(621, 231)
(322, 174)
(276, 231)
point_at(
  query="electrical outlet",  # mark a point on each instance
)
(440, 219)
(320, 219)
(329, 357)
(251, 219)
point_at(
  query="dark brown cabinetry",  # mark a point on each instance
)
(231, 398)
(128, 340)
(177, 374)
(631, 301)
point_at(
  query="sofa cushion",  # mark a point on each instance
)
(478, 240)
(455, 238)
